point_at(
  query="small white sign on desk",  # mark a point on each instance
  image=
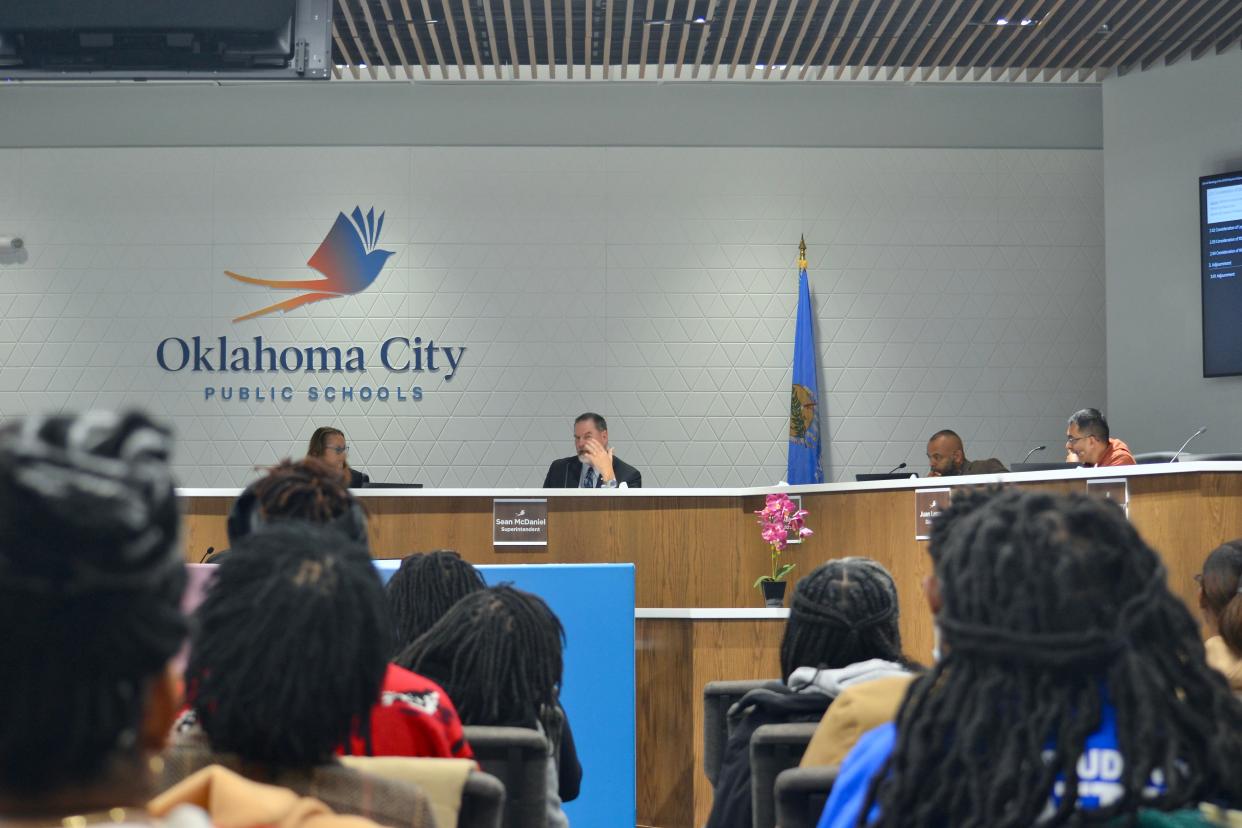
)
(1116, 489)
(520, 521)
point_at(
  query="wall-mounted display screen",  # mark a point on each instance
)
(1220, 210)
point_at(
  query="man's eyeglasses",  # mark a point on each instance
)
(338, 449)
(1069, 441)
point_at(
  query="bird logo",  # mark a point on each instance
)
(348, 259)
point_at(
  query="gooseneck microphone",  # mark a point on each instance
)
(1032, 451)
(1178, 453)
(897, 468)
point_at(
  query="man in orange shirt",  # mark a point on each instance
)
(1087, 441)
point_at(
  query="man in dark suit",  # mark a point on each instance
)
(594, 466)
(946, 457)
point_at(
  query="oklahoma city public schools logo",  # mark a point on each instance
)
(347, 257)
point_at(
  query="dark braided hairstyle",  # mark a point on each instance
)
(842, 613)
(90, 594)
(424, 587)
(306, 490)
(1053, 607)
(1222, 591)
(498, 655)
(290, 646)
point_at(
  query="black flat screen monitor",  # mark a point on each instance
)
(1220, 234)
(1025, 467)
(394, 486)
(867, 478)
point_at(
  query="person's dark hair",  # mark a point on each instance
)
(1052, 607)
(90, 592)
(842, 613)
(319, 440)
(498, 655)
(423, 589)
(1091, 423)
(945, 432)
(1222, 591)
(290, 646)
(600, 423)
(308, 490)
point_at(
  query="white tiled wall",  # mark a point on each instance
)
(954, 288)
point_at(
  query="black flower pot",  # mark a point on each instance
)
(773, 593)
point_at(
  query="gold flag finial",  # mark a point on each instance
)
(802, 253)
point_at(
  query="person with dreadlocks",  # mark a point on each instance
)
(413, 715)
(91, 582)
(288, 653)
(842, 633)
(1220, 599)
(1072, 686)
(499, 651)
(424, 587)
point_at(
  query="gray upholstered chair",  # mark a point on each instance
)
(774, 748)
(482, 802)
(718, 697)
(518, 757)
(800, 794)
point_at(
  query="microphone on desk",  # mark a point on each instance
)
(897, 468)
(1032, 451)
(1178, 453)
(211, 550)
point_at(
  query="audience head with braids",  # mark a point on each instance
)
(1052, 609)
(90, 592)
(1220, 593)
(308, 491)
(498, 655)
(423, 589)
(842, 613)
(290, 646)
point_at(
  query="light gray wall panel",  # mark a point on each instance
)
(1164, 129)
(953, 288)
(552, 114)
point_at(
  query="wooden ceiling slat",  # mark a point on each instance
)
(363, 57)
(1084, 27)
(1049, 36)
(1211, 35)
(1105, 48)
(588, 57)
(724, 37)
(1143, 43)
(951, 39)
(1021, 51)
(375, 39)
(741, 38)
(418, 46)
(529, 20)
(877, 37)
(625, 42)
(607, 39)
(515, 60)
(858, 38)
(1038, 12)
(924, 23)
(1225, 42)
(891, 41)
(973, 35)
(569, 38)
(451, 24)
(710, 17)
(474, 40)
(391, 24)
(1084, 37)
(979, 60)
(340, 44)
(664, 36)
(550, 37)
(1194, 33)
(1155, 54)
(685, 40)
(837, 39)
(642, 53)
(799, 38)
(933, 39)
(763, 33)
(1179, 30)
(435, 41)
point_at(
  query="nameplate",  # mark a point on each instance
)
(520, 522)
(928, 504)
(1115, 489)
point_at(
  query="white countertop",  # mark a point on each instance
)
(874, 485)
